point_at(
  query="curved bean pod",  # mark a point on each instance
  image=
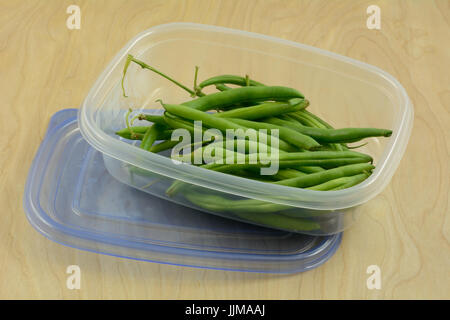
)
(150, 136)
(264, 110)
(218, 123)
(333, 135)
(228, 79)
(339, 182)
(323, 176)
(287, 134)
(223, 99)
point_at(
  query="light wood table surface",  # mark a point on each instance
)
(46, 67)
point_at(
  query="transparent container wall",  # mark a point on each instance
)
(266, 214)
(342, 91)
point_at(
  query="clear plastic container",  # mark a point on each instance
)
(71, 199)
(343, 91)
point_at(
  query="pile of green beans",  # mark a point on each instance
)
(311, 153)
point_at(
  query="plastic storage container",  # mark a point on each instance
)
(71, 199)
(345, 92)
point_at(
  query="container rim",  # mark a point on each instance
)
(309, 199)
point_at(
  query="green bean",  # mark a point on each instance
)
(231, 205)
(325, 155)
(245, 210)
(288, 173)
(139, 131)
(287, 117)
(236, 150)
(151, 118)
(316, 155)
(314, 121)
(300, 181)
(162, 146)
(332, 135)
(307, 156)
(318, 120)
(168, 144)
(298, 117)
(228, 79)
(323, 176)
(223, 87)
(229, 164)
(164, 134)
(150, 136)
(193, 155)
(264, 110)
(310, 154)
(176, 185)
(177, 123)
(223, 99)
(309, 169)
(197, 115)
(280, 221)
(220, 124)
(325, 147)
(356, 179)
(335, 183)
(250, 174)
(325, 163)
(126, 134)
(247, 145)
(291, 136)
(136, 129)
(323, 124)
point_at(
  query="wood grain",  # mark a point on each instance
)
(405, 230)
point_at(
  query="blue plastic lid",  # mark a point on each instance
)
(72, 199)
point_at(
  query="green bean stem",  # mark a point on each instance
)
(222, 87)
(143, 65)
